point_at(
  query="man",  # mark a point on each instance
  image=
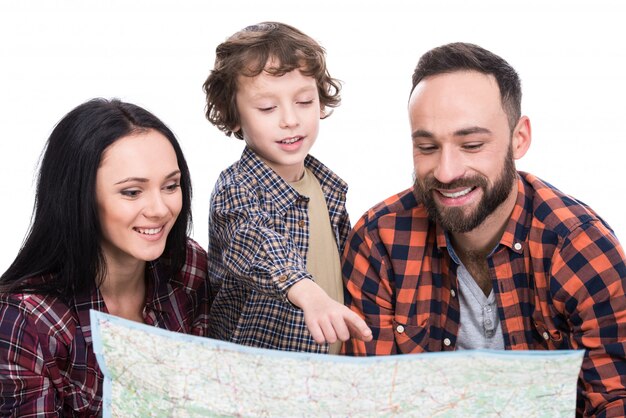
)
(478, 255)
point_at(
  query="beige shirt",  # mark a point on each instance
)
(322, 259)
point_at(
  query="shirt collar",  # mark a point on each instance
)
(83, 303)
(156, 289)
(157, 279)
(281, 192)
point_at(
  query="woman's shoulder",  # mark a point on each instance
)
(193, 274)
(195, 248)
(41, 314)
(196, 257)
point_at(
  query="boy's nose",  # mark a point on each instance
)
(288, 118)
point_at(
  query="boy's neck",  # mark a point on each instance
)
(289, 173)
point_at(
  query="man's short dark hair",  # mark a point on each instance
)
(460, 56)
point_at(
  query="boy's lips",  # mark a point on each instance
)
(291, 140)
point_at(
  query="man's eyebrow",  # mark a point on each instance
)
(472, 130)
(143, 179)
(421, 133)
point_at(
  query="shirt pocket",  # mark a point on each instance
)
(410, 338)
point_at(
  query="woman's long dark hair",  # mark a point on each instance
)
(65, 236)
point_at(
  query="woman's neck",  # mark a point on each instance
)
(124, 289)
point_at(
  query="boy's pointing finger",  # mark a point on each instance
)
(358, 327)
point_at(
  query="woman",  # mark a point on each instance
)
(109, 232)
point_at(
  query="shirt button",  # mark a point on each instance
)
(400, 329)
(282, 278)
(301, 224)
(452, 292)
(546, 336)
(517, 246)
(447, 342)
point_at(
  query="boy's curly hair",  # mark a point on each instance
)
(247, 52)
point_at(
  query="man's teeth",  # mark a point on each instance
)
(151, 231)
(291, 140)
(457, 194)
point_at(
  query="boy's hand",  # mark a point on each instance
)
(326, 319)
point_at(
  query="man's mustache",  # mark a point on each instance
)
(431, 182)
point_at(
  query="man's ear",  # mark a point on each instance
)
(520, 142)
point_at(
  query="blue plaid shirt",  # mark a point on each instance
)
(258, 241)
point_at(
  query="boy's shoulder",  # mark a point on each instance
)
(237, 173)
(249, 172)
(252, 174)
(249, 182)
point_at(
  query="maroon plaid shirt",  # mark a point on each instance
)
(558, 275)
(48, 368)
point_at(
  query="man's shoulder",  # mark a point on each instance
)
(400, 206)
(556, 211)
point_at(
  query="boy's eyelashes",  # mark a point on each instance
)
(300, 102)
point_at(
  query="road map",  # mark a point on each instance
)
(157, 373)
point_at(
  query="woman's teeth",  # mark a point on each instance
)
(150, 231)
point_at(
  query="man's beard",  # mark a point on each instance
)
(453, 219)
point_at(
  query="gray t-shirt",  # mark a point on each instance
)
(480, 324)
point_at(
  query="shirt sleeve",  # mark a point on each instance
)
(369, 292)
(588, 285)
(26, 389)
(194, 275)
(253, 244)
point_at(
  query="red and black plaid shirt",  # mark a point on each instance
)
(48, 367)
(558, 275)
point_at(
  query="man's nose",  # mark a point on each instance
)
(449, 167)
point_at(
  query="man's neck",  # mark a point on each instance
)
(473, 247)
(483, 238)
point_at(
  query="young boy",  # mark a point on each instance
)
(278, 220)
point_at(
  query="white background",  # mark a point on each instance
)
(570, 55)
